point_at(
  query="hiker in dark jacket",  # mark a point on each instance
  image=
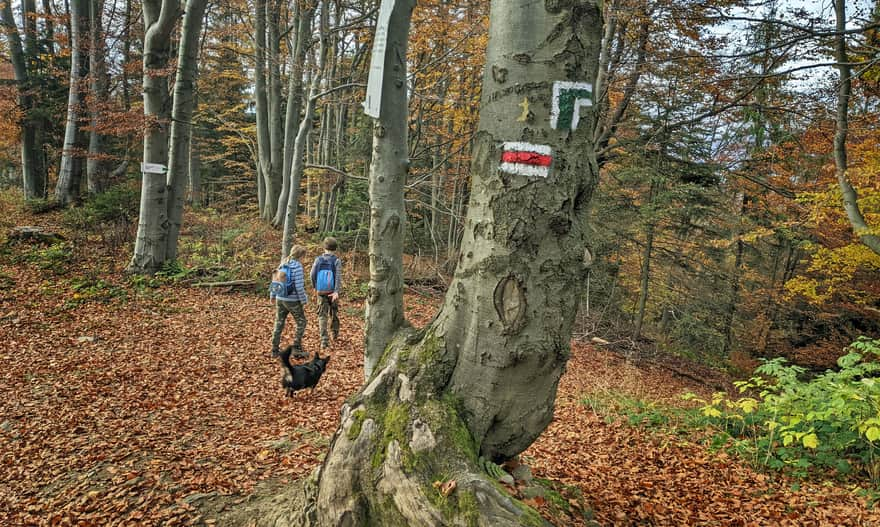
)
(326, 277)
(291, 303)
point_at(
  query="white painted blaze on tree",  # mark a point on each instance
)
(526, 159)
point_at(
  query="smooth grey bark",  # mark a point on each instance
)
(72, 156)
(481, 379)
(181, 119)
(151, 242)
(33, 165)
(844, 90)
(390, 162)
(303, 20)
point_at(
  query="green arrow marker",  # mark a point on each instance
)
(568, 98)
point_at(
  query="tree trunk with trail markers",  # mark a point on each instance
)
(151, 242)
(481, 379)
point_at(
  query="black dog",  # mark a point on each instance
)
(301, 376)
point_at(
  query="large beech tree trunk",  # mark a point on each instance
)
(481, 379)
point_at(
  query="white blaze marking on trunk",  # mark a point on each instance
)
(544, 150)
(153, 168)
(579, 101)
(524, 170)
(373, 102)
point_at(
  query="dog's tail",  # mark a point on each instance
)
(284, 357)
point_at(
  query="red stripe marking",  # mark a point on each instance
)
(526, 158)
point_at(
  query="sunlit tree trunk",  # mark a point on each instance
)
(481, 379)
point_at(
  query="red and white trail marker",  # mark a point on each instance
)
(526, 159)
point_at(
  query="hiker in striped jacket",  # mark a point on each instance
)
(292, 303)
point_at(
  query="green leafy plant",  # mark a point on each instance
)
(790, 421)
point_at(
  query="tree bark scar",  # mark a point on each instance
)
(510, 304)
(499, 75)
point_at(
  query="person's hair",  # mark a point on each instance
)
(296, 252)
(330, 244)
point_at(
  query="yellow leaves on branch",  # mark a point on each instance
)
(833, 269)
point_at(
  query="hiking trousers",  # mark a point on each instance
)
(282, 309)
(328, 311)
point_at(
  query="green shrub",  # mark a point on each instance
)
(55, 257)
(40, 205)
(88, 289)
(118, 204)
(787, 421)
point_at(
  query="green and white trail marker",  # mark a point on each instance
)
(568, 99)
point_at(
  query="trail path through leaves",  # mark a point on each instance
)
(130, 412)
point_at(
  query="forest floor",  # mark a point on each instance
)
(124, 403)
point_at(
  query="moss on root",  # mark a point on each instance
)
(358, 421)
(394, 424)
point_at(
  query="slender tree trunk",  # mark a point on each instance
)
(96, 164)
(264, 145)
(844, 90)
(303, 21)
(481, 379)
(390, 163)
(151, 242)
(126, 55)
(195, 171)
(276, 133)
(299, 145)
(645, 273)
(67, 188)
(181, 117)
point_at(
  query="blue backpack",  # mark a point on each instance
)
(282, 282)
(325, 279)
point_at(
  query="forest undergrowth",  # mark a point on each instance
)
(149, 401)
